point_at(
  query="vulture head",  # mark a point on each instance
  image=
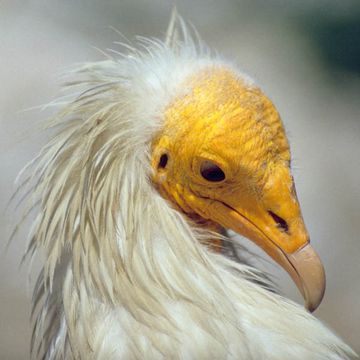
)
(154, 154)
(222, 157)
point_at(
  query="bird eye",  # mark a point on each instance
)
(211, 172)
(163, 161)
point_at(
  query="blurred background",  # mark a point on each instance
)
(304, 54)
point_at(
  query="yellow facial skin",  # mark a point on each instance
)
(220, 120)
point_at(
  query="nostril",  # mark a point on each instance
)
(280, 222)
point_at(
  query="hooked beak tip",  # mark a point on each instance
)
(309, 275)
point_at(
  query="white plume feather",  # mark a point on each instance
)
(125, 275)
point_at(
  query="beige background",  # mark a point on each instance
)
(320, 108)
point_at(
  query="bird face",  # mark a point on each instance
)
(223, 157)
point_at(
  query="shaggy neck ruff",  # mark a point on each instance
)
(125, 274)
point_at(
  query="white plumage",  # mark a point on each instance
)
(125, 274)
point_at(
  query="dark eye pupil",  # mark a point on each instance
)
(211, 171)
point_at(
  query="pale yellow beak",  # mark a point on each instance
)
(307, 271)
(290, 247)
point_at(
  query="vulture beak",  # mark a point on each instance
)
(307, 271)
(285, 241)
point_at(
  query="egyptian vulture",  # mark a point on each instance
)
(155, 154)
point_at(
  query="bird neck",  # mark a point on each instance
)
(214, 241)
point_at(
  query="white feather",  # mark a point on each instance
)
(125, 275)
